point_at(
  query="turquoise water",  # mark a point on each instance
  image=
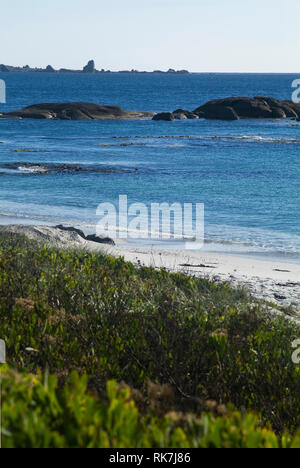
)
(245, 172)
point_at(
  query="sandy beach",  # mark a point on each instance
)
(272, 281)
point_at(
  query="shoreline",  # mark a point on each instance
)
(211, 247)
(273, 281)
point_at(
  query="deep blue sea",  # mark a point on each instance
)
(246, 173)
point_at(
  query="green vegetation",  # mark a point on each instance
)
(197, 364)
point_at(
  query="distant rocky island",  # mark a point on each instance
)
(89, 68)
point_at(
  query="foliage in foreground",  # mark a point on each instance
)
(205, 344)
(41, 416)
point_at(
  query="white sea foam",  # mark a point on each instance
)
(33, 169)
(239, 138)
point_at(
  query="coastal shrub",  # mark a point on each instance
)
(65, 311)
(37, 414)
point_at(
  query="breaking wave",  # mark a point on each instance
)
(45, 168)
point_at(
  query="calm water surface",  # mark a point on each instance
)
(246, 172)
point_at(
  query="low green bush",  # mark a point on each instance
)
(64, 311)
(37, 414)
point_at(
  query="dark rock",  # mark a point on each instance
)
(180, 111)
(278, 108)
(240, 107)
(191, 115)
(166, 116)
(35, 115)
(278, 113)
(268, 101)
(219, 112)
(287, 109)
(100, 240)
(291, 108)
(70, 229)
(200, 114)
(259, 107)
(251, 108)
(91, 238)
(90, 67)
(186, 113)
(77, 111)
(179, 116)
(4, 69)
(50, 69)
(279, 297)
(68, 70)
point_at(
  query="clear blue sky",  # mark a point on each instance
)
(200, 35)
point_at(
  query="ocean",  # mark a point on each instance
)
(245, 172)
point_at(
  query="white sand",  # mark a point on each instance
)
(273, 281)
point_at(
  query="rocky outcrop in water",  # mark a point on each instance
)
(251, 108)
(219, 109)
(182, 114)
(236, 108)
(77, 111)
(179, 114)
(165, 116)
(217, 112)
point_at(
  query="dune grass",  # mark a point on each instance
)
(101, 353)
